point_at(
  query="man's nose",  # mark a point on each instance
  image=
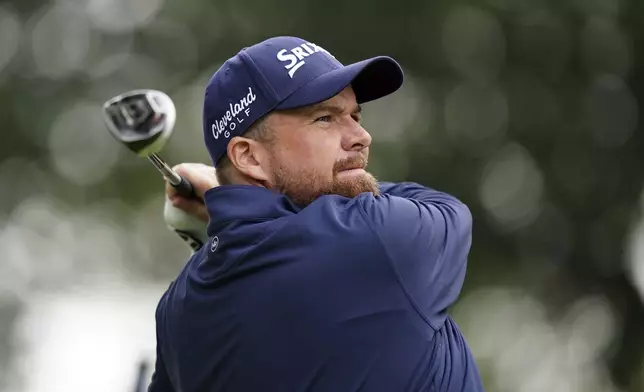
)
(356, 138)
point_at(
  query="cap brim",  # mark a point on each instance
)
(370, 79)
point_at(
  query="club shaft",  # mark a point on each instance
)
(169, 174)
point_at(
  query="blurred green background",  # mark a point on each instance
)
(529, 111)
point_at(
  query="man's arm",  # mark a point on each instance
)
(427, 237)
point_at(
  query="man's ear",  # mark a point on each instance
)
(250, 158)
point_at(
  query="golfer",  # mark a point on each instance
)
(316, 276)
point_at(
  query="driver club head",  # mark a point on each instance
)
(142, 120)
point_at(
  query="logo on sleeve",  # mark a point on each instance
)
(295, 57)
(214, 244)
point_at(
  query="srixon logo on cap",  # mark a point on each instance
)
(295, 57)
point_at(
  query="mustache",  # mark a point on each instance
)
(354, 162)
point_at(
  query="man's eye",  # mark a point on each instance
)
(323, 119)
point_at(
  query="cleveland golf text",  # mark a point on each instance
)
(226, 124)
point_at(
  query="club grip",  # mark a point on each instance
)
(184, 188)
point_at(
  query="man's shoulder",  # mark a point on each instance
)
(336, 210)
(367, 210)
(332, 222)
(368, 213)
(346, 205)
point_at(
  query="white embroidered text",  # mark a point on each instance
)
(231, 118)
(295, 57)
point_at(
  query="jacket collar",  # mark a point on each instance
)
(226, 203)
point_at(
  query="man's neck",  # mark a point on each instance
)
(241, 179)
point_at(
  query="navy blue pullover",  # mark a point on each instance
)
(343, 295)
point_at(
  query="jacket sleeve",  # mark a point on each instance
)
(426, 235)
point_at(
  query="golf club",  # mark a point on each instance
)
(143, 121)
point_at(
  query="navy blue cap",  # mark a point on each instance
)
(284, 73)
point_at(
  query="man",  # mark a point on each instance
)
(316, 277)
